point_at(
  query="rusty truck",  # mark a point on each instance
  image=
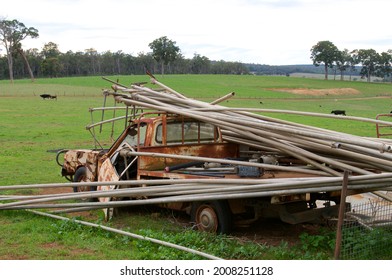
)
(173, 134)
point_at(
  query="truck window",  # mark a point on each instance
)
(186, 132)
(132, 136)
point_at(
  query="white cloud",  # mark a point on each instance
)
(265, 31)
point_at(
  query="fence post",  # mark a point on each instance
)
(342, 208)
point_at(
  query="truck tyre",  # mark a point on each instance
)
(80, 176)
(212, 216)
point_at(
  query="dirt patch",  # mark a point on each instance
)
(274, 232)
(56, 190)
(71, 253)
(318, 92)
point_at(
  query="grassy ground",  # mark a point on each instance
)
(31, 127)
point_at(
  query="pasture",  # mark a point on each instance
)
(31, 128)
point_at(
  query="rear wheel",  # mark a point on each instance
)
(80, 176)
(212, 216)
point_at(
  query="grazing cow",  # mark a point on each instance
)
(48, 96)
(45, 96)
(339, 112)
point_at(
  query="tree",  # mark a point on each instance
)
(146, 61)
(93, 55)
(164, 51)
(369, 59)
(199, 64)
(354, 60)
(343, 61)
(384, 67)
(324, 52)
(51, 65)
(34, 60)
(50, 50)
(12, 33)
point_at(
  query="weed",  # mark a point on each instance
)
(375, 244)
(218, 245)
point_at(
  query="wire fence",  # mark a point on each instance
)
(367, 231)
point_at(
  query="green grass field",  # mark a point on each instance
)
(30, 127)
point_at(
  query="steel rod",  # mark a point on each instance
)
(129, 234)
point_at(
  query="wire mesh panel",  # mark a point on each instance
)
(367, 231)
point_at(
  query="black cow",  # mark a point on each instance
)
(45, 96)
(339, 112)
(48, 96)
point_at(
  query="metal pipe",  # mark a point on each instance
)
(105, 121)
(342, 208)
(192, 198)
(202, 190)
(105, 108)
(223, 98)
(129, 234)
(291, 112)
(225, 161)
(156, 82)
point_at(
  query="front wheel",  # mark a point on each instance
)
(212, 216)
(80, 176)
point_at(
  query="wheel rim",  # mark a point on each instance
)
(206, 219)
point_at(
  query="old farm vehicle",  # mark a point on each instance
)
(220, 170)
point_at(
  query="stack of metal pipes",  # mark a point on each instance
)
(326, 155)
(184, 190)
(328, 151)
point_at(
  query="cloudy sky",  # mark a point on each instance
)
(276, 32)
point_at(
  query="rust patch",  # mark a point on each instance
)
(214, 150)
(107, 173)
(74, 159)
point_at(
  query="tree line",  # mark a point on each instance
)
(50, 62)
(370, 61)
(166, 57)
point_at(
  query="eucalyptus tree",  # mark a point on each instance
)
(369, 60)
(51, 65)
(12, 33)
(354, 61)
(199, 64)
(94, 58)
(343, 62)
(164, 51)
(384, 67)
(324, 52)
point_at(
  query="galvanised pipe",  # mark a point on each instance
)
(192, 198)
(129, 234)
(196, 189)
(291, 112)
(223, 98)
